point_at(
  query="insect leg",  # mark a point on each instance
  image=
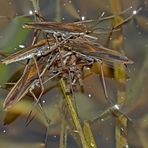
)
(103, 80)
(44, 113)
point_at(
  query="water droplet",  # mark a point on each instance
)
(92, 144)
(89, 95)
(134, 12)
(75, 131)
(35, 11)
(21, 46)
(102, 119)
(139, 33)
(55, 136)
(78, 11)
(116, 106)
(4, 131)
(70, 1)
(102, 14)
(82, 18)
(30, 12)
(43, 101)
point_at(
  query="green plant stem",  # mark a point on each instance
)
(88, 135)
(68, 99)
(120, 75)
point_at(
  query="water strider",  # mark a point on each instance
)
(39, 49)
(73, 52)
(85, 28)
(87, 50)
(95, 51)
(28, 81)
(49, 65)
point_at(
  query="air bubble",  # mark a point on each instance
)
(21, 46)
(35, 11)
(78, 11)
(134, 12)
(82, 18)
(102, 119)
(92, 144)
(89, 95)
(76, 131)
(139, 33)
(30, 12)
(116, 106)
(4, 131)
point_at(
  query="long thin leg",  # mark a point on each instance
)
(40, 80)
(104, 84)
(45, 115)
(120, 24)
(103, 80)
(51, 77)
(41, 83)
(42, 88)
(36, 99)
(37, 102)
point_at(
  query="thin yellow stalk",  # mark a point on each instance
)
(120, 75)
(88, 135)
(68, 99)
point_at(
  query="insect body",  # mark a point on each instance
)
(63, 29)
(41, 48)
(96, 51)
(27, 82)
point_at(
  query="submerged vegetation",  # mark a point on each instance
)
(64, 58)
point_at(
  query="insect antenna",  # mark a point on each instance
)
(121, 24)
(101, 18)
